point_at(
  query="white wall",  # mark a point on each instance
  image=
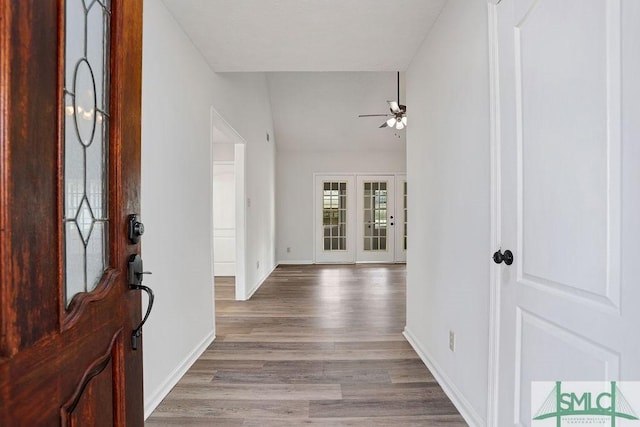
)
(179, 90)
(295, 188)
(448, 169)
(243, 100)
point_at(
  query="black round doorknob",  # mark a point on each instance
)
(499, 257)
(138, 228)
(135, 229)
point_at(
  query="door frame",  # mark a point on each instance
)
(496, 216)
(239, 143)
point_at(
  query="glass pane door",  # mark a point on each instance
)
(334, 215)
(375, 216)
(376, 221)
(334, 218)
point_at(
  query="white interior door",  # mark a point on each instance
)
(376, 220)
(400, 223)
(569, 302)
(224, 219)
(335, 219)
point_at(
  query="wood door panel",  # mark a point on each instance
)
(79, 359)
(95, 402)
(96, 395)
(30, 197)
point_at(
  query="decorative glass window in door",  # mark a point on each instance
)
(334, 216)
(375, 216)
(86, 135)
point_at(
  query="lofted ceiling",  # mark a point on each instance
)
(319, 111)
(328, 60)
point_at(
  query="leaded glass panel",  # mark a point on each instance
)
(86, 135)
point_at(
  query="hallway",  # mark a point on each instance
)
(316, 345)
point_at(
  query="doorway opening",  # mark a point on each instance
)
(228, 208)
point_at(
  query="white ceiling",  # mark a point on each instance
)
(328, 60)
(306, 35)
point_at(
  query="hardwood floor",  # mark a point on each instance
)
(316, 345)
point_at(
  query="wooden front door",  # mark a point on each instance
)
(70, 96)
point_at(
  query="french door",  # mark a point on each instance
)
(400, 224)
(70, 78)
(355, 218)
(376, 222)
(335, 219)
(569, 204)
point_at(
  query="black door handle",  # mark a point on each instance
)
(499, 257)
(136, 274)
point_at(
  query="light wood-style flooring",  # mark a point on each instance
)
(317, 346)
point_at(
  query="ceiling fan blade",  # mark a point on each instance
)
(394, 107)
(373, 115)
(383, 125)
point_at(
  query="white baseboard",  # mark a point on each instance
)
(163, 390)
(295, 262)
(259, 283)
(453, 393)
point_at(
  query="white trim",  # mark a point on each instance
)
(241, 220)
(453, 393)
(496, 200)
(224, 162)
(258, 284)
(175, 376)
(295, 262)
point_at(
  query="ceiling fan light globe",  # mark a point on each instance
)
(404, 120)
(391, 122)
(399, 125)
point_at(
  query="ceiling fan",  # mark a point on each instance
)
(398, 116)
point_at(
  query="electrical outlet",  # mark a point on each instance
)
(288, 249)
(257, 264)
(452, 341)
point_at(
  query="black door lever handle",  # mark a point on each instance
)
(137, 332)
(136, 275)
